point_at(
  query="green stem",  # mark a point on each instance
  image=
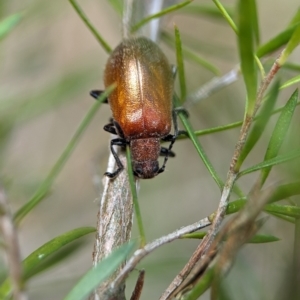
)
(91, 27)
(198, 146)
(159, 14)
(135, 199)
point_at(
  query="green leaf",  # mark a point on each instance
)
(117, 5)
(257, 239)
(279, 133)
(98, 274)
(271, 162)
(195, 235)
(290, 82)
(260, 124)
(263, 238)
(226, 15)
(180, 65)
(255, 24)
(44, 188)
(291, 66)
(276, 209)
(286, 210)
(59, 256)
(135, 199)
(217, 129)
(201, 286)
(284, 218)
(209, 11)
(33, 262)
(292, 44)
(90, 26)
(296, 18)
(246, 51)
(190, 54)
(285, 191)
(9, 23)
(160, 14)
(235, 206)
(38, 256)
(280, 193)
(198, 146)
(278, 41)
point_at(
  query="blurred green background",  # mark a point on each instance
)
(49, 63)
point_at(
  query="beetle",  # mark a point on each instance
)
(141, 105)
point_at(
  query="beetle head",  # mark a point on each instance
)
(145, 153)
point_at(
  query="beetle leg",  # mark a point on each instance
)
(165, 152)
(110, 127)
(116, 142)
(172, 138)
(96, 93)
(181, 109)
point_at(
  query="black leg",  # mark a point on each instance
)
(172, 138)
(116, 142)
(96, 94)
(110, 127)
(114, 128)
(181, 109)
(165, 152)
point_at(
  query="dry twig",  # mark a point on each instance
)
(10, 239)
(114, 223)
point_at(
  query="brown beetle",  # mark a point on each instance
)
(141, 104)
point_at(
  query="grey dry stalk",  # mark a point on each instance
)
(139, 254)
(114, 223)
(10, 240)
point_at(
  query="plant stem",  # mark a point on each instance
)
(10, 240)
(139, 254)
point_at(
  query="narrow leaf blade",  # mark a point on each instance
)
(43, 252)
(260, 124)
(278, 41)
(190, 54)
(285, 210)
(292, 44)
(257, 239)
(279, 133)
(206, 11)
(132, 183)
(255, 21)
(90, 26)
(271, 162)
(36, 258)
(98, 274)
(8, 24)
(160, 14)
(226, 15)
(290, 82)
(198, 146)
(180, 65)
(246, 51)
(263, 238)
